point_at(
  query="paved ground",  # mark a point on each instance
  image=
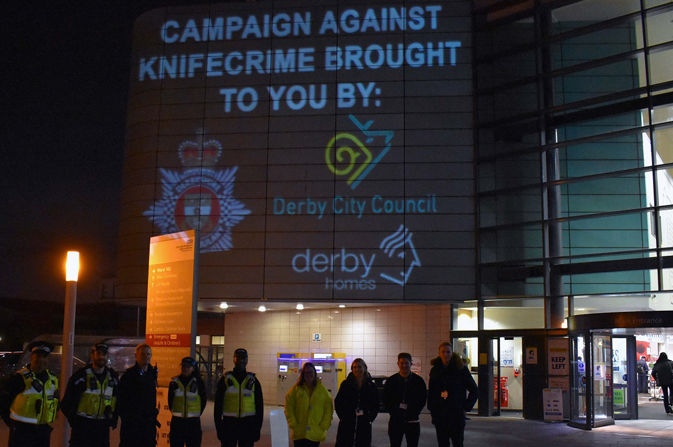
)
(502, 431)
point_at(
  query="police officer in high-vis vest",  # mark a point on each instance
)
(30, 400)
(90, 401)
(239, 407)
(187, 400)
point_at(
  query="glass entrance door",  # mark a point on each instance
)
(602, 380)
(580, 385)
(625, 379)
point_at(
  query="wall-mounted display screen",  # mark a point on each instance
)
(323, 150)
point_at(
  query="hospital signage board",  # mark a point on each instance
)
(323, 149)
(171, 302)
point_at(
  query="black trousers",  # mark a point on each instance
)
(89, 433)
(305, 443)
(399, 429)
(137, 433)
(667, 391)
(239, 431)
(28, 435)
(450, 433)
(185, 432)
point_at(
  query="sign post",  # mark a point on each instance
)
(172, 297)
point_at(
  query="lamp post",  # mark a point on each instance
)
(71, 274)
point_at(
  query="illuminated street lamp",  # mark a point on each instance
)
(71, 274)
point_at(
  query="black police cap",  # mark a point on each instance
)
(188, 361)
(40, 347)
(241, 353)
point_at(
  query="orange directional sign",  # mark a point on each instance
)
(171, 301)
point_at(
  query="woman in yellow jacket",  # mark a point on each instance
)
(308, 409)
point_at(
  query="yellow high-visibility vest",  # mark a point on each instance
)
(239, 399)
(186, 399)
(97, 396)
(38, 403)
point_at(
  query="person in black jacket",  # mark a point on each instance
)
(404, 396)
(187, 399)
(90, 401)
(356, 404)
(450, 380)
(137, 403)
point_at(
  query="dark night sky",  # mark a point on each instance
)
(64, 103)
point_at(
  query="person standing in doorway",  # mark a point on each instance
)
(643, 371)
(239, 405)
(452, 393)
(357, 405)
(662, 371)
(308, 409)
(137, 402)
(187, 400)
(404, 396)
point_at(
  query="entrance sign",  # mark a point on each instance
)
(323, 149)
(171, 301)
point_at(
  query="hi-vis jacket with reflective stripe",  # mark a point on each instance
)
(38, 403)
(98, 396)
(186, 399)
(239, 399)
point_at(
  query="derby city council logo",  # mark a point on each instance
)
(347, 155)
(199, 197)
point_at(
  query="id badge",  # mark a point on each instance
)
(403, 406)
(359, 412)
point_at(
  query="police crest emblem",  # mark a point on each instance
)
(199, 197)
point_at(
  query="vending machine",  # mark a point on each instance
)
(288, 368)
(330, 367)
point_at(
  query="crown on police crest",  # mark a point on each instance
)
(200, 152)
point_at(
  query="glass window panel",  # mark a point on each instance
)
(664, 178)
(510, 172)
(666, 228)
(465, 316)
(597, 81)
(653, 3)
(516, 100)
(496, 282)
(661, 66)
(600, 125)
(610, 282)
(606, 234)
(663, 144)
(505, 69)
(617, 303)
(659, 26)
(665, 301)
(663, 114)
(612, 153)
(588, 12)
(524, 313)
(620, 38)
(524, 242)
(602, 195)
(517, 206)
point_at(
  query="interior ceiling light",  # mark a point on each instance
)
(224, 305)
(262, 308)
(300, 306)
(342, 305)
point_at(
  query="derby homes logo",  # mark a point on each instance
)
(199, 197)
(347, 156)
